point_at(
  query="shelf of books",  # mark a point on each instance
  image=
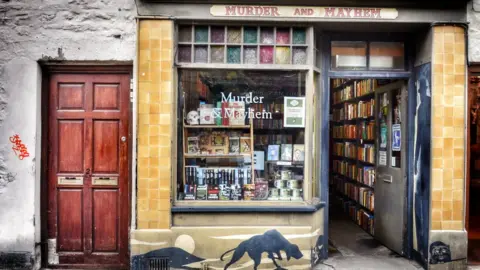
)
(353, 148)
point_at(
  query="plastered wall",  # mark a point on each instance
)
(155, 123)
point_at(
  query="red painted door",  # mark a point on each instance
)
(88, 188)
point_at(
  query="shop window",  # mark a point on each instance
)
(350, 55)
(242, 45)
(241, 135)
(387, 55)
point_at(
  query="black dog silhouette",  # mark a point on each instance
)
(271, 242)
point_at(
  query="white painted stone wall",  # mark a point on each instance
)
(473, 17)
(33, 30)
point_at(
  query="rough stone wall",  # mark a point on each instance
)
(473, 17)
(33, 30)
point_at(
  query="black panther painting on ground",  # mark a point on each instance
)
(440, 253)
(271, 242)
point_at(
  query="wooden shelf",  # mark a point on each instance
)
(353, 160)
(355, 99)
(216, 156)
(356, 202)
(353, 180)
(215, 126)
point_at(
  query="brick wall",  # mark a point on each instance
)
(155, 123)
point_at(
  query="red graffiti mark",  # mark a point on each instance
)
(19, 148)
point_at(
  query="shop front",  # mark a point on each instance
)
(254, 120)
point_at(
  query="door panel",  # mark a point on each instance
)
(105, 225)
(70, 223)
(88, 169)
(390, 184)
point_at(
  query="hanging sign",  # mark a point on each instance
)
(294, 111)
(304, 12)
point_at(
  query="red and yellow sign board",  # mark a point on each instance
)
(304, 12)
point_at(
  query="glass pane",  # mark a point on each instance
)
(349, 55)
(299, 56)
(233, 54)
(266, 55)
(283, 36)
(185, 33)
(201, 34)
(217, 54)
(217, 34)
(230, 118)
(250, 55)
(387, 55)
(201, 54)
(234, 35)
(282, 55)
(185, 53)
(250, 35)
(266, 35)
(299, 36)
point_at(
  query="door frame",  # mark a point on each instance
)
(49, 69)
(326, 74)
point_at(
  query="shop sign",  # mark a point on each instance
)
(304, 12)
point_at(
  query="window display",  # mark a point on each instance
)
(237, 143)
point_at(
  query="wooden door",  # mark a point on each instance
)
(88, 187)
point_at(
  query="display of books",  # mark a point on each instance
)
(273, 152)
(207, 116)
(193, 145)
(245, 145)
(236, 113)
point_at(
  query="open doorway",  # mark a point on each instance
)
(368, 183)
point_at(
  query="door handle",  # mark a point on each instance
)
(386, 177)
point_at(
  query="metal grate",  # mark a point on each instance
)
(161, 263)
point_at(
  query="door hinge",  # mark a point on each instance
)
(131, 90)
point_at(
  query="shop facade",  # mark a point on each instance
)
(212, 54)
(214, 169)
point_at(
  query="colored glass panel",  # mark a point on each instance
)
(283, 36)
(233, 54)
(217, 54)
(185, 53)
(234, 35)
(201, 54)
(299, 36)
(217, 35)
(201, 34)
(282, 55)
(250, 55)
(266, 35)
(299, 56)
(185, 33)
(266, 54)
(250, 35)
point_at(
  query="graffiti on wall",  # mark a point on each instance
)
(18, 147)
(422, 136)
(271, 243)
(440, 253)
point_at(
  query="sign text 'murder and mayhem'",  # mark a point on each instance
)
(329, 12)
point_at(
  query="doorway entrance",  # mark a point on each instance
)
(88, 171)
(368, 164)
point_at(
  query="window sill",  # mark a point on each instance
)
(255, 207)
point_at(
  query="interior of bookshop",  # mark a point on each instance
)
(363, 112)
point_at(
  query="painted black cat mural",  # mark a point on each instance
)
(271, 242)
(439, 253)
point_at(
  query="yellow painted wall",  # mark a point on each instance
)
(448, 128)
(155, 123)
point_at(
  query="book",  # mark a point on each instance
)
(261, 190)
(273, 152)
(224, 114)
(206, 114)
(234, 145)
(218, 114)
(202, 192)
(245, 145)
(286, 153)
(236, 113)
(298, 152)
(248, 192)
(192, 145)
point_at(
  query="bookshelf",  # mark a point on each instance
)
(353, 148)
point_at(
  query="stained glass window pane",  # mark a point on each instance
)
(185, 53)
(201, 54)
(250, 55)
(217, 54)
(299, 56)
(217, 34)
(233, 54)
(283, 35)
(185, 33)
(266, 35)
(250, 35)
(266, 54)
(201, 34)
(234, 35)
(282, 55)
(299, 36)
